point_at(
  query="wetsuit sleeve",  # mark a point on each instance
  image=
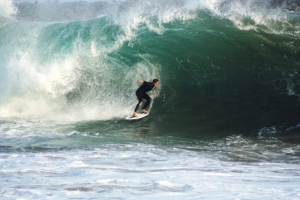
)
(153, 89)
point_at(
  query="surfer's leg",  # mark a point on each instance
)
(147, 102)
(139, 97)
(137, 106)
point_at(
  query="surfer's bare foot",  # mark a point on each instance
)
(144, 111)
(134, 114)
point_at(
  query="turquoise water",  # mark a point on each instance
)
(223, 125)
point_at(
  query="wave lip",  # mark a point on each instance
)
(83, 10)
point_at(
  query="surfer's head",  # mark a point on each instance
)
(155, 82)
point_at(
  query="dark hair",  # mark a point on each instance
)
(155, 81)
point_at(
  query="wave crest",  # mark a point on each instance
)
(7, 9)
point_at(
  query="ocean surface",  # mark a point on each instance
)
(224, 123)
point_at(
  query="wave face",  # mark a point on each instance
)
(226, 65)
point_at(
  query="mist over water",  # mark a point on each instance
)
(7, 9)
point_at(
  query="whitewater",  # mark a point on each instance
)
(224, 123)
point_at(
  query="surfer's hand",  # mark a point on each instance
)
(141, 81)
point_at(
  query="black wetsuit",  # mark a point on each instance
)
(141, 94)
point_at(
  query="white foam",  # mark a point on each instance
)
(165, 173)
(7, 9)
(36, 91)
(251, 15)
(39, 90)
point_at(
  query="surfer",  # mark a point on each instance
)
(141, 94)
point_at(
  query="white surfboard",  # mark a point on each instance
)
(140, 116)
